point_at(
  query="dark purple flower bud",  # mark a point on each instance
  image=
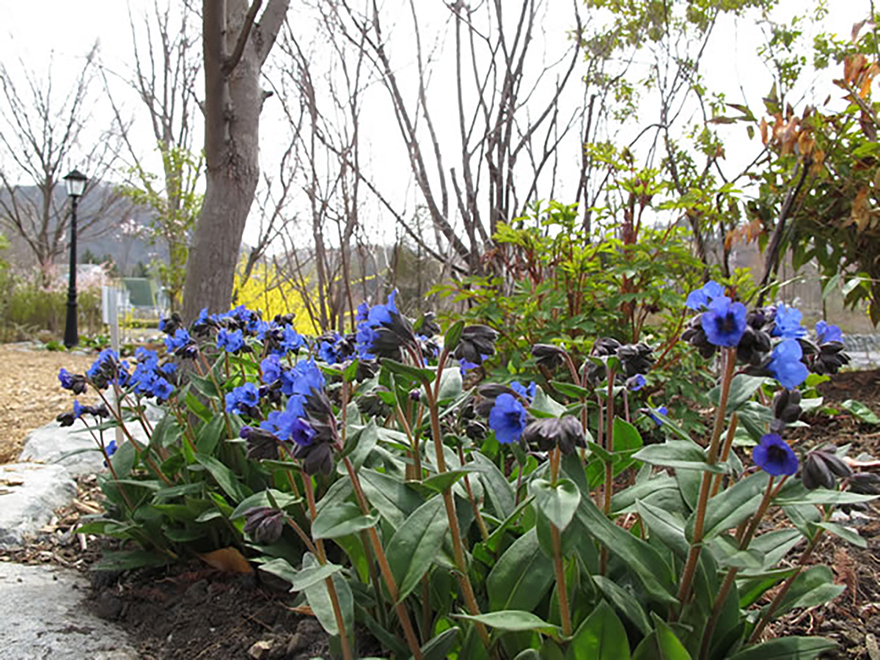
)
(476, 431)
(605, 346)
(551, 432)
(261, 444)
(477, 342)
(548, 355)
(316, 458)
(264, 524)
(636, 358)
(823, 467)
(865, 483)
(66, 418)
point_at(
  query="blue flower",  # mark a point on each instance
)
(168, 368)
(725, 322)
(245, 396)
(271, 369)
(291, 339)
(657, 414)
(383, 331)
(785, 364)
(523, 391)
(178, 340)
(231, 342)
(328, 351)
(704, 295)
(774, 456)
(302, 432)
(788, 323)
(162, 389)
(635, 383)
(78, 409)
(111, 448)
(825, 332)
(302, 379)
(507, 418)
(362, 314)
(66, 379)
(147, 357)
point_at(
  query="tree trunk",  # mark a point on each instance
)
(235, 48)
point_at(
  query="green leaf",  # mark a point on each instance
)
(310, 576)
(444, 480)
(416, 543)
(283, 500)
(752, 589)
(544, 406)
(223, 475)
(346, 518)
(450, 385)
(414, 374)
(653, 572)
(439, 646)
(558, 503)
(499, 492)
(126, 560)
(495, 537)
(512, 621)
(394, 500)
(742, 388)
(570, 390)
(667, 528)
(845, 533)
(165, 433)
(787, 648)
(453, 336)
(861, 411)
(814, 586)
(680, 454)
(209, 435)
(359, 446)
(798, 494)
(318, 598)
(626, 436)
(521, 577)
(624, 601)
(600, 637)
(731, 506)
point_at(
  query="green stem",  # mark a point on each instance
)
(684, 591)
(411, 639)
(559, 568)
(454, 530)
(609, 467)
(730, 578)
(331, 588)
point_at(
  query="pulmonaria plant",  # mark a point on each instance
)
(497, 519)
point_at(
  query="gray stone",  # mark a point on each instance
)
(29, 495)
(55, 444)
(44, 616)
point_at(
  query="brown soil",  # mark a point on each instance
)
(30, 395)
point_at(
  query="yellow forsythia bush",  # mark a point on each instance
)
(271, 294)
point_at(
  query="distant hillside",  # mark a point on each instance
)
(116, 233)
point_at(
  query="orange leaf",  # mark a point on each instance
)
(228, 560)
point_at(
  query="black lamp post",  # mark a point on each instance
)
(76, 186)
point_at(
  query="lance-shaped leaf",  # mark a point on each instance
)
(416, 543)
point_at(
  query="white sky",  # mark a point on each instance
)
(53, 35)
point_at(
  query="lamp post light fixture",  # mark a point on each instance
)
(75, 182)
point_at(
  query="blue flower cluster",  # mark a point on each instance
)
(243, 399)
(149, 378)
(108, 370)
(770, 341)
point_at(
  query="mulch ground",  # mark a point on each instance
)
(194, 611)
(31, 396)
